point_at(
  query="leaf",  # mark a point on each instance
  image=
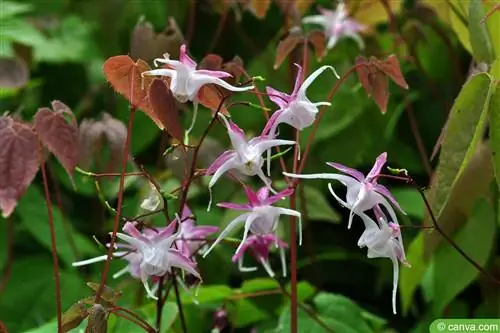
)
(124, 75)
(18, 162)
(108, 294)
(245, 313)
(464, 130)
(479, 35)
(259, 7)
(475, 239)
(410, 200)
(392, 69)
(60, 137)
(285, 47)
(33, 215)
(164, 108)
(211, 97)
(412, 277)
(372, 12)
(11, 9)
(495, 132)
(98, 319)
(169, 314)
(74, 316)
(14, 73)
(318, 40)
(374, 82)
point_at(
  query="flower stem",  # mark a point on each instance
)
(10, 255)
(179, 304)
(125, 154)
(55, 259)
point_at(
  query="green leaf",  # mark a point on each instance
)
(169, 314)
(22, 32)
(30, 295)
(245, 313)
(340, 314)
(452, 272)
(33, 212)
(213, 294)
(258, 284)
(479, 35)
(495, 131)
(464, 131)
(410, 200)
(10, 9)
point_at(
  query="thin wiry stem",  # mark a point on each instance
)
(179, 303)
(116, 222)
(10, 255)
(53, 244)
(159, 304)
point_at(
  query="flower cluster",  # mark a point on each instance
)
(153, 252)
(382, 238)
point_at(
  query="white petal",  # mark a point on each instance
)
(283, 261)
(346, 180)
(267, 267)
(160, 72)
(314, 19)
(264, 145)
(227, 230)
(196, 81)
(149, 292)
(311, 78)
(292, 212)
(226, 166)
(241, 268)
(89, 261)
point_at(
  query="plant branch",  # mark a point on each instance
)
(53, 244)
(179, 303)
(116, 223)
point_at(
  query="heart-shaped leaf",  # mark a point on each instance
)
(285, 47)
(59, 136)
(18, 162)
(73, 317)
(318, 40)
(124, 75)
(163, 105)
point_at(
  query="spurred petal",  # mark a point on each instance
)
(385, 192)
(279, 98)
(272, 124)
(377, 167)
(218, 74)
(177, 259)
(197, 80)
(265, 144)
(185, 59)
(160, 72)
(136, 243)
(236, 135)
(129, 228)
(228, 165)
(302, 91)
(234, 206)
(219, 161)
(252, 197)
(298, 80)
(346, 180)
(350, 171)
(275, 198)
(395, 280)
(238, 220)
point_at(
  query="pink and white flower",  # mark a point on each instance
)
(296, 109)
(246, 155)
(149, 254)
(260, 247)
(261, 218)
(186, 80)
(383, 240)
(363, 193)
(337, 24)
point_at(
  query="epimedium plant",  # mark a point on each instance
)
(166, 255)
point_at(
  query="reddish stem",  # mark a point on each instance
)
(3, 328)
(55, 259)
(220, 28)
(116, 223)
(191, 21)
(10, 255)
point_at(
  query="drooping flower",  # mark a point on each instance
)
(296, 109)
(337, 24)
(383, 240)
(149, 254)
(246, 155)
(260, 247)
(192, 237)
(186, 80)
(363, 193)
(261, 218)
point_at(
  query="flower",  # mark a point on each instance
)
(337, 24)
(186, 79)
(296, 109)
(261, 218)
(191, 237)
(363, 193)
(245, 155)
(384, 241)
(150, 254)
(260, 245)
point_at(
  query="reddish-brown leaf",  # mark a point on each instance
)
(380, 89)
(163, 104)
(364, 69)
(259, 7)
(98, 319)
(210, 97)
(235, 68)
(318, 41)
(124, 75)
(285, 47)
(211, 62)
(59, 136)
(18, 162)
(392, 69)
(74, 316)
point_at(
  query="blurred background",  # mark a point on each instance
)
(55, 50)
